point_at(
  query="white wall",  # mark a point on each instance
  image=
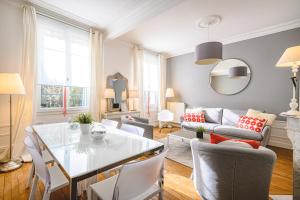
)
(10, 55)
(118, 57)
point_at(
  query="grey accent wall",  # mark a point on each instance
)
(270, 88)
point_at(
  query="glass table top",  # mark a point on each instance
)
(79, 154)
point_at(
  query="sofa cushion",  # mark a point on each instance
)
(218, 139)
(237, 132)
(231, 117)
(213, 115)
(257, 114)
(194, 117)
(194, 125)
(251, 123)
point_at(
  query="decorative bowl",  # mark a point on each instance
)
(98, 132)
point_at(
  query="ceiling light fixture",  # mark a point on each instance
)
(209, 52)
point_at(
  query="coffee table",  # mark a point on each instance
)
(186, 136)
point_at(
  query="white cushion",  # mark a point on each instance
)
(257, 114)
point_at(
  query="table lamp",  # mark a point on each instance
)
(291, 58)
(133, 94)
(109, 93)
(170, 93)
(10, 84)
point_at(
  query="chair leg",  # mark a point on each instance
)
(47, 193)
(161, 194)
(30, 176)
(33, 188)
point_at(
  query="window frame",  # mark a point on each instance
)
(68, 57)
(61, 109)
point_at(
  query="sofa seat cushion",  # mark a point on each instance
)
(194, 125)
(238, 132)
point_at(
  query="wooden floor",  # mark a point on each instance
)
(177, 182)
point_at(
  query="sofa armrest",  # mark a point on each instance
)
(140, 119)
(148, 129)
(266, 134)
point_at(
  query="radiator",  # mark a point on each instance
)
(177, 108)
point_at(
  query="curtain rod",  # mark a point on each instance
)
(61, 20)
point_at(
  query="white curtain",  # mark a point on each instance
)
(25, 109)
(138, 76)
(162, 82)
(97, 76)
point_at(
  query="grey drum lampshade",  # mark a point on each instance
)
(208, 53)
(235, 72)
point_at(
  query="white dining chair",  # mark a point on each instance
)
(138, 180)
(132, 129)
(47, 158)
(52, 177)
(109, 122)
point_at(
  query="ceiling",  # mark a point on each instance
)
(168, 26)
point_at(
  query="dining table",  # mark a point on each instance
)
(80, 156)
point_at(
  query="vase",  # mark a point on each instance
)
(200, 135)
(85, 128)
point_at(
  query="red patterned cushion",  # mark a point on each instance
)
(251, 123)
(194, 117)
(215, 139)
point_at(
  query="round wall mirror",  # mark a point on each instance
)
(230, 76)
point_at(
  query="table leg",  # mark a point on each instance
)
(73, 189)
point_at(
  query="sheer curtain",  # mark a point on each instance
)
(162, 82)
(25, 109)
(97, 70)
(138, 77)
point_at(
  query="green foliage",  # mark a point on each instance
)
(200, 129)
(84, 118)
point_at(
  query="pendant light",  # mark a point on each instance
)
(209, 52)
(238, 72)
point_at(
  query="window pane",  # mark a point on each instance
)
(80, 71)
(77, 97)
(51, 96)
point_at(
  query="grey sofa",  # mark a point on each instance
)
(229, 172)
(223, 121)
(140, 122)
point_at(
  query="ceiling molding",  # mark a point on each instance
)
(246, 36)
(264, 31)
(43, 7)
(144, 12)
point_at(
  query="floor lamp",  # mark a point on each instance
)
(10, 84)
(291, 58)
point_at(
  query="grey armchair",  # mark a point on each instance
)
(227, 172)
(140, 122)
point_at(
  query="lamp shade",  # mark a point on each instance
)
(133, 94)
(290, 57)
(11, 83)
(208, 53)
(237, 72)
(170, 93)
(109, 93)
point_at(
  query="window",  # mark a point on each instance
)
(63, 66)
(150, 82)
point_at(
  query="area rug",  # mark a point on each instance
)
(179, 151)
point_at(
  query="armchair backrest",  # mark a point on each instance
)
(226, 172)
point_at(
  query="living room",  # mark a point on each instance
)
(164, 99)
